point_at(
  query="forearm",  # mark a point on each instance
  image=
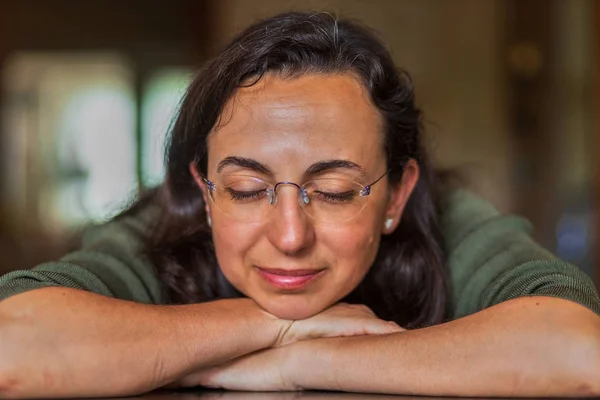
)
(59, 342)
(524, 347)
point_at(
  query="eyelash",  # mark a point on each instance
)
(336, 197)
(247, 195)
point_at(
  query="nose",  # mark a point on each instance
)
(291, 230)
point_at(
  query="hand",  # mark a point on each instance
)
(264, 370)
(272, 369)
(341, 319)
(308, 395)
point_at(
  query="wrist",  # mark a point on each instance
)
(262, 327)
(307, 364)
(294, 364)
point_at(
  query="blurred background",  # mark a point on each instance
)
(88, 89)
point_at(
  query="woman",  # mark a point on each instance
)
(302, 241)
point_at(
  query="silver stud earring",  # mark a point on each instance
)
(388, 223)
(209, 220)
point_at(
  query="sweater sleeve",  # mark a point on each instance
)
(109, 263)
(492, 258)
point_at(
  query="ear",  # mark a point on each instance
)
(400, 193)
(201, 184)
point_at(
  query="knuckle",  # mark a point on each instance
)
(359, 307)
(367, 309)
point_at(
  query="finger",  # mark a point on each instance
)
(205, 377)
(360, 308)
(383, 327)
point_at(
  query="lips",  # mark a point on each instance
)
(289, 279)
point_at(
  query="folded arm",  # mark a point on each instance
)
(62, 342)
(535, 346)
(525, 347)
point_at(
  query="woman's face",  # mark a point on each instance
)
(280, 129)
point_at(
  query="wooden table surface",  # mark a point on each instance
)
(223, 395)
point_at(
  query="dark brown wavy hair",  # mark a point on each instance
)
(408, 281)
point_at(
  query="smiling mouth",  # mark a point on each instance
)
(289, 279)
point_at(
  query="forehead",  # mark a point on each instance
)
(290, 123)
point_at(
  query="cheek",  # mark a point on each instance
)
(353, 247)
(232, 241)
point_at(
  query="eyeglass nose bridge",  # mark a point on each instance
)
(302, 193)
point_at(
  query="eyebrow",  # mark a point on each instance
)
(244, 163)
(327, 165)
(314, 169)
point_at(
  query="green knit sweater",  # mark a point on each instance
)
(491, 258)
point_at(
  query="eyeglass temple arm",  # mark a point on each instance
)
(368, 187)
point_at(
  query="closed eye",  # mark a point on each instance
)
(335, 197)
(246, 195)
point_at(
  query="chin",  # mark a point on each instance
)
(292, 309)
